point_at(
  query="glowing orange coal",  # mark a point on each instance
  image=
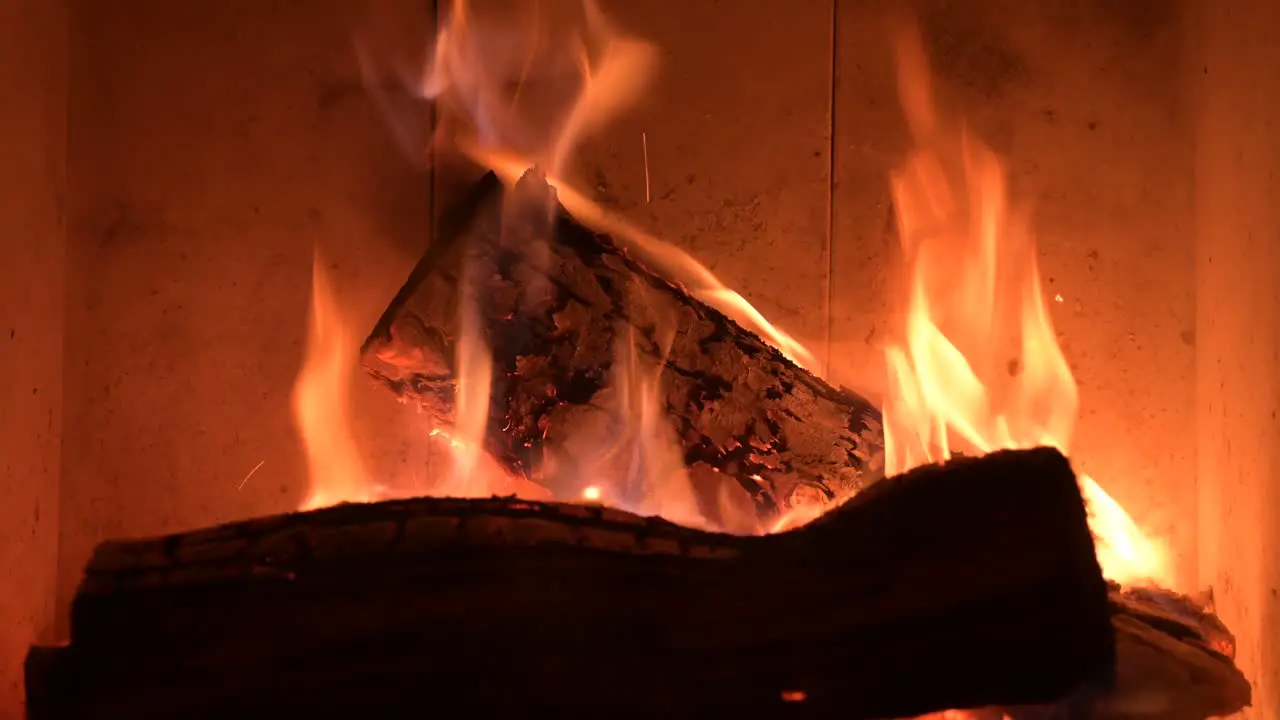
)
(977, 366)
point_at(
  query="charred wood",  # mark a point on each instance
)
(1174, 662)
(965, 585)
(556, 305)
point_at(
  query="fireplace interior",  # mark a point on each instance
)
(184, 176)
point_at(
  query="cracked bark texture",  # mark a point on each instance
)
(559, 306)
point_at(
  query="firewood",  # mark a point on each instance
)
(555, 302)
(1177, 660)
(1174, 662)
(964, 585)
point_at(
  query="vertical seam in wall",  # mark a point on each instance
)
(829, 284)
(432, 118)
(60, 623)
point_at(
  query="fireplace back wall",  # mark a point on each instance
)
(212, 144)
(32, 267)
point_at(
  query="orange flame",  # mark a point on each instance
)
(519, 84)
(664, 258)
(589, 73)
(978, 365)
(629, 457)
(322, 399)
(534, 77)
(322, 413)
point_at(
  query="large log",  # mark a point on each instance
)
(557, 304)
(965, 585)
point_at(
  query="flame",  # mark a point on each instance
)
(978, 367)
(661, 256)
(322, 400)
(533, 77)
(322, 413)
(628, 457)
(474, 365)
(518, 85)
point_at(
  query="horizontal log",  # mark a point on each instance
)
(557, 305)
(1176, 660)
(969, 584)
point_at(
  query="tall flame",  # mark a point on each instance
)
(322, 399)
(978, 366)
(518, 84)
(632, 460)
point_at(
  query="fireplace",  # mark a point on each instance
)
(210, 148)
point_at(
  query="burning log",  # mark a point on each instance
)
(556, 304)
(964, 585)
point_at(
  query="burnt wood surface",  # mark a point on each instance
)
(557, 303)
(969, 584)
(1176, 660)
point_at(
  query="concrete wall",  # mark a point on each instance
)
(213, 145)
(737, 124)
(1237, 185)
(32, 265)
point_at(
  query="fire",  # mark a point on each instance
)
(322, 399)
(978, 366)
(587, 71)
(660, 255)
(961, 715)
(517, 85)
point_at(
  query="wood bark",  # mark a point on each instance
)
(964, 585)
(562, 310)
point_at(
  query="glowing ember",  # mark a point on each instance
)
(591, 493)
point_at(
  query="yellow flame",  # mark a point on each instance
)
(587, 72)
(519, 84)
(322, 399)
(663, 257)
(534, 77)
(956, 715)
(978, 365)
(474, 378)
